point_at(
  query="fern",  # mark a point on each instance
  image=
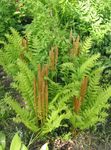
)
(87, 65)
(94, 103)
(23, 83)
(11, 52)
(86, 45)
(45, 32)
(24, 116)
(7, 18)
(93, 114)
(72, 93)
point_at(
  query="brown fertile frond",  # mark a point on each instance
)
(21, 56)
(77, 42)
(75, 49)
(25, 46)
(56, 56)
(71, 52)
(39, 91)
(76, 46)
(53, 55)
(46, 90)
(84, 86)
(52, 59)
(43, 92)
(25, 43)
(77, 104)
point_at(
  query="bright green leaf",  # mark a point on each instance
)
(1, 148)
(16, 143)
(2, 140)
(24, 147)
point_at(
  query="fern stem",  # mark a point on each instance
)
(56, 56)
(77, 104)
(83, 89)
(25, 43)
(76, 46)
(43, 92)
(52, 59)
(46, 91)
(39, 91)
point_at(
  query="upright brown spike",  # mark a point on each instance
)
(46, 90)
(76, 46)
(39, 91)
(77, 42)
(73, 44)
(21, 56)
(43, 93)
(84, 86)
(52, 59)
(25, 43)
(56, 56)
(77, 104)
(25, 46)
(71, 52)
(75, 49)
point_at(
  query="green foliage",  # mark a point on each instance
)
(11, 52)
(4, 111)
(61, 94)
(45, 32)
(17, 144)
(2, 141)
(82, 17)
(24, 84)
(51, 23)
(89, 18)
(93, 107)
(7, 19)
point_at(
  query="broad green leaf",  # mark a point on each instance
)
(1, 148)
(23, 147)
(45, 147)
(2, 140)
(16, 143)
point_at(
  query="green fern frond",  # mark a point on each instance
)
(93, 88)
(68, 66)
(88, 64)
(24, 83)
(86, 45)
(24, 115)
(11, 52)
(93, 113)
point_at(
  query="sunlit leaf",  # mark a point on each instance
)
(45, 147)
(2, 140)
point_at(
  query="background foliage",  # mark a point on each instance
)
(29, 30)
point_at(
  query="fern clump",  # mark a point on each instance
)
(59, 91)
